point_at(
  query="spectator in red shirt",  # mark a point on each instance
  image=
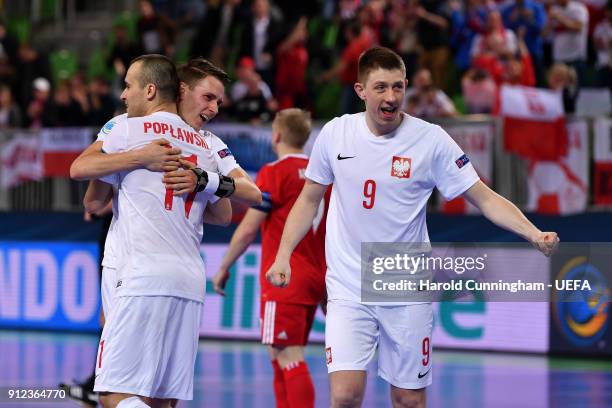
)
(292, 61)
(518, 68)
(358, 41)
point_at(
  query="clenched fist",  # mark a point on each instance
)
(546, 242)
(279, 274)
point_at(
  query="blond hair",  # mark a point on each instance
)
(294, 126)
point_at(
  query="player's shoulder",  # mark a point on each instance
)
(348, 119)
(345, 125)
(411, 125)
(285, 168)
(216, 145)
(212, 140)
(290, 160)
(108, 126)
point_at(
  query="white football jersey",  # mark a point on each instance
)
(380, 188)
(224, 159)
(108, 259)
(157, 242)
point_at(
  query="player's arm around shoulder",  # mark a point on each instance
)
(105, 155)
(246, 190)
(505, 214)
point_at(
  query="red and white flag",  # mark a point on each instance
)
(562, 186)
(20, 160)
(534, 122)
(60, 147)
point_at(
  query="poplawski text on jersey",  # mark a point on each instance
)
(185, 135)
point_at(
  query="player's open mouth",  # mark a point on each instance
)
(388, 111)
(203, 117)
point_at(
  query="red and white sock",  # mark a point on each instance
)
(280, 391)
(299, 386)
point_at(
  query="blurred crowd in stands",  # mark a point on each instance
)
(285, 53)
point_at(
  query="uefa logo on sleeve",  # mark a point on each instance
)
(328, 355)
(401, 166)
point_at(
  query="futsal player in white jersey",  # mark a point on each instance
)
(201, 94)
(383, 165)
(160, 272)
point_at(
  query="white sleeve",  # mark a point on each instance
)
(108, 127)
(226, 162)
(115, 142)
(451, 168)
(319, 167)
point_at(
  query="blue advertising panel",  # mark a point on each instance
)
(47, 285)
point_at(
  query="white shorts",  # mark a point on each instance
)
(402, 334)
(108, 284)
(148, 347)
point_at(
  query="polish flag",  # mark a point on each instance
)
(60, 147)
(534, 122)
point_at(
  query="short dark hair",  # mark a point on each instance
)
(199, 68)
(378, 57)
(160, 71)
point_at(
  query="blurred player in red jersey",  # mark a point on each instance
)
(287, 314)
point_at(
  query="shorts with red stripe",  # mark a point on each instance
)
(286, 324)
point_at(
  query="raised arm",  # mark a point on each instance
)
(94, 163)
(243, 237)
(299, 221)
(506, 215)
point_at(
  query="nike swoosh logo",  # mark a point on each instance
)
(421, 375)
(345, 157)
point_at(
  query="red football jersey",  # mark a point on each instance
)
(281, 183)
